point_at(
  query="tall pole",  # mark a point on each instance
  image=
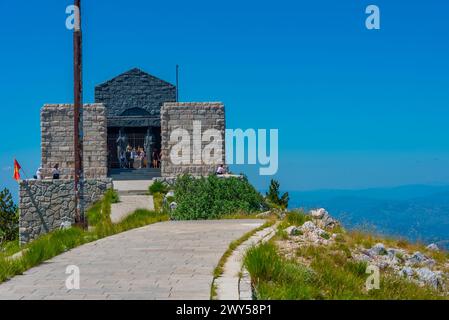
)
(78, 118)
(177, 83)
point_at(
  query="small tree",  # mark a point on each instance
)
(9, 217)
(273, 195)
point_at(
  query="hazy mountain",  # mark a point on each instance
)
(414, 212)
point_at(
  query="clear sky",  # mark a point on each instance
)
(354, 107)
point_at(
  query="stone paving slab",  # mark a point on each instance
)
(167, 260)
(132, 185)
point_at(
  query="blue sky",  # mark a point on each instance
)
(355, 108)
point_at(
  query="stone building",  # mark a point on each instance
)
(133, 102)
(128, 107)
(133, 110)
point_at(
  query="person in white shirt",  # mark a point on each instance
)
(38, 175)
(220, 170)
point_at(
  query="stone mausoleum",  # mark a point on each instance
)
(134, 111)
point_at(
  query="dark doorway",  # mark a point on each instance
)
(136, 140)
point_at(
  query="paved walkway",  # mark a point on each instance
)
(128, 204)
(132, 186)
(167, 260)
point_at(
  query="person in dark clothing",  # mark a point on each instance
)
(155, 158)
(55, 172)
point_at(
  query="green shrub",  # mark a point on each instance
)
(158, 187)
(9, 217)
(213, 197)
(273, 197)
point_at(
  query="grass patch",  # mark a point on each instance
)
(9, 248)
(330, 275)
(158, 200)
(218, 271)
(59, 241)
(158, 187)
(139, 219)
(297, 218)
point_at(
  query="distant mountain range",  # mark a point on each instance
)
(416, 212)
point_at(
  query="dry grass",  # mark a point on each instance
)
(329, 274)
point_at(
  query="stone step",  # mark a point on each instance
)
(132, 192)
(134, 174)
(132, 187)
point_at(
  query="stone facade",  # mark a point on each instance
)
(134, 98)
(45, 204)
(183, 116)
(58, 144)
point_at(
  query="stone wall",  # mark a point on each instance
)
(45, 204)
(183, 116)
(57, 140)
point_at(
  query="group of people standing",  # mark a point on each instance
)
(137, 158)
(55, 173)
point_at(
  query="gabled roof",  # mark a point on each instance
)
(133, 73)
(134, 93)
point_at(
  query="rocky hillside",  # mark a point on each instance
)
(318, 234)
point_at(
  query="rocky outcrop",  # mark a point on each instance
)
(310, 232)
(323, 219)
(416, 266)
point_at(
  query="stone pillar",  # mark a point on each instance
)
(185, 116)
(57, 140)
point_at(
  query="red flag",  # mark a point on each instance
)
(17, 168)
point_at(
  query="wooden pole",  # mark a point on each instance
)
(78, 118)
(177, 83)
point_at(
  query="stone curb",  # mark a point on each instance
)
(235, 282)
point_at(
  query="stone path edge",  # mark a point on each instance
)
(234, 282)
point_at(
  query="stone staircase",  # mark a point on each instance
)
(132, 187)
(134, 174)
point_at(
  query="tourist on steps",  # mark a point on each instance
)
(155, 158)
